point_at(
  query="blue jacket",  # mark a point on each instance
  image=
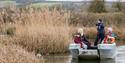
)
(100, 27)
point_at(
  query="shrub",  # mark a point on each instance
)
(97, 6)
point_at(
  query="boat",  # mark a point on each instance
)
(102, 51)
(78, 52)
(107, 51)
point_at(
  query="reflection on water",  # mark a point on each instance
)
(99, 61)
(102, 61)
(108, 61)
(68, 59)
(94, 61)
(58, 59)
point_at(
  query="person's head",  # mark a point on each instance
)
(100, 20)
(109, 29)
(80, 30)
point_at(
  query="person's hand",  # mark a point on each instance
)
(110, 37)
(96, 24)
(77, 35)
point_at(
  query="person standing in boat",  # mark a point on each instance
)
(81, 39)
(100, 32)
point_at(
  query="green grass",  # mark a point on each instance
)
(43, 4)
(8, 2)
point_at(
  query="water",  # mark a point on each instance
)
(68, 59)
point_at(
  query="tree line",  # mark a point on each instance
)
(98, 6)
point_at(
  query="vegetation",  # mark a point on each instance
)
(118, 5)
(33, 31)
(26, 31)
(97, 6)
(14, 54)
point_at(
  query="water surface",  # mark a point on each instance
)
(68, 58)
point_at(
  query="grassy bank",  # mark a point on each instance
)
(10, 53)
(48, 31)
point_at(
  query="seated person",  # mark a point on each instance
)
(81, 39)
(109, 37)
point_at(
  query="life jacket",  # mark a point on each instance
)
(109, 39)
(112, 40)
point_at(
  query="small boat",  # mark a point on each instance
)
(78, 52)
(102, 51)
(107, 51)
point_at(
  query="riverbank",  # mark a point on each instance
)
(10, 53)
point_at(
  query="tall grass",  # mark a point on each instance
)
(10, 53)
(48, 31)
(41, 31)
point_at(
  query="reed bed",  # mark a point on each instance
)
(48, 31)
(11, 53)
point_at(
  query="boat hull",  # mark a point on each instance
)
(104, 51)
(107, 51)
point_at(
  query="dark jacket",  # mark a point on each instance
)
(85, 40)
(81, 39)
(100, 27)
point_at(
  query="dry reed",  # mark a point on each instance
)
(50, 31)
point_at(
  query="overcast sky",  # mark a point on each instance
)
(81, 0)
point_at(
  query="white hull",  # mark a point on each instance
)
(76, 51)
(107, 51)
(104, 51)
(107, 54)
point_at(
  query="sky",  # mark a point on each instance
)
(81, 0)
